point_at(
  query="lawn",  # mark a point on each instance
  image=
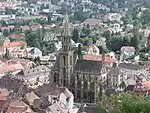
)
(30, 17)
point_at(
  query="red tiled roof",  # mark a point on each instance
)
(17, 106)
(13, 44)
(146, 84)
(11, 67)
(24, 28)
(36, 27)
(108, 59)
(17, 36)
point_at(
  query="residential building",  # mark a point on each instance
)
(113, 17)
(127, 52)
(34, 75)
(16, 49)
(115, 28)
(34, 52)
(92, 23)
(93, 50)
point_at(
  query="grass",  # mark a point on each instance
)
(30, 17)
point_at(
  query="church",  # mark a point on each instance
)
(82, 77)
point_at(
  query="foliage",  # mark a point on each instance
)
(143, 57)
(81, 16)
(5, 32)
(75, 36)
(3, 23)
(115, 43)
(86, 30)
(79, 52)
(7, 55)
(126, 103)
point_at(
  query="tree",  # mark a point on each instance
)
(125, 103)
(81, 16)
(86, 31)
(126, 41)
(5, 32)
(79, 52)
(7, 55)
(75, 36)
(134, 42)
(115, 43)
(143, 57)
(3, 23)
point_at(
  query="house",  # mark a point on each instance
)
(127, 52)
(53, 92)
(34, 75)
(127, 85)
(115, 28)
(17, 36)
(142, 87)
(92, 50)
(15, 48)
(10, 68)
(18, 106)
(92, 23)
(113, 17)
(115, 77)
(2, 52)
(30, 98)
(109, 61)
(34, 52)
(35, 27)
(25, 28)
(4, 93)
(49, 59)
(24, 62)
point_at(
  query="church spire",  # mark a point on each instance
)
(66, 27)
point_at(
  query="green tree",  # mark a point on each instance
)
(134, 42)
(3, 23)
(79, 52)
(125, 103)
(81, 16)
(143, 57)
(126, 41)
(115, 43)
(86, 31)
(7, 55)
(5, 32)
(75, 36)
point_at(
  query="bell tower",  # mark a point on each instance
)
(66, 55)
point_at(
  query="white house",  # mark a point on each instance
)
(127, 52)
(93, 50)
(34, 52)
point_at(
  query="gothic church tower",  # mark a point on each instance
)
(66, 55)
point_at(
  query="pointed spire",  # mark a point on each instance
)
(66, 27)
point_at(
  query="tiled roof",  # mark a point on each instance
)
(146, 84)
(24, 28)
(11, 67)
(17, 36)
(13, 44)
(127, 48)
(17, 106)
(88, 66)
(99, 58)
(49, 89)
(129, 66)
